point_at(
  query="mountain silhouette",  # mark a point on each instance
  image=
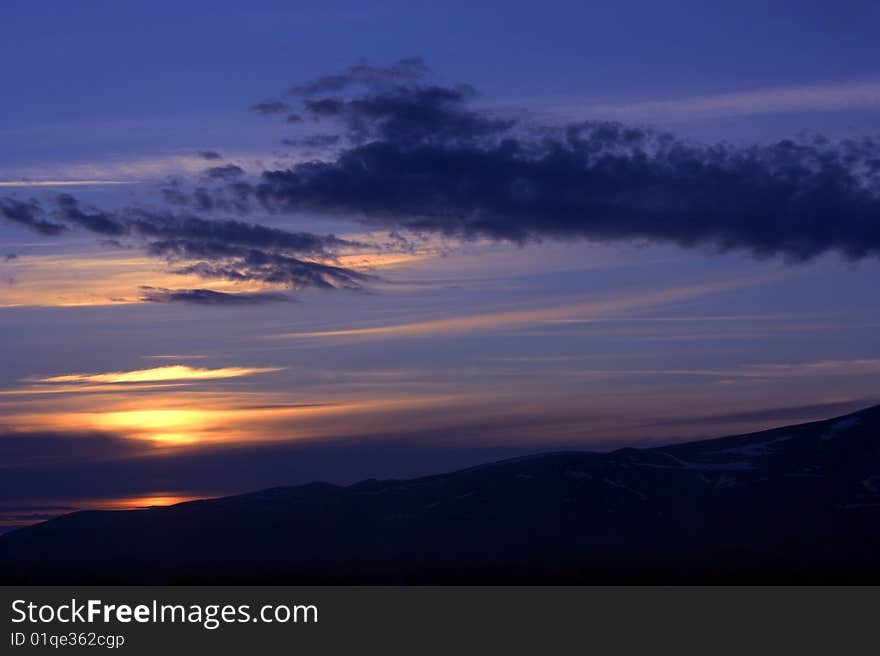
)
(799, 504)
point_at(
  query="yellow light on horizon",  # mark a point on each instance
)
(146, 501)
(171, 427)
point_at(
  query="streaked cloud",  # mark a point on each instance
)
(819, 368)
(157, 374)
(211, 297)
(862, 95)
(198, 419)
(127, 170)
(94, 278)
(749, 373)
(489, 321)
(63, 183)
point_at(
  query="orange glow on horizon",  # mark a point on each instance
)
(146, 501)
(199, 419)
(169, 427)
(34, 513)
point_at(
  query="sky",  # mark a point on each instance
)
(249, 245)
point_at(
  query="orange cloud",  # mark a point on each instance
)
(100, 278)
(378, 260)
(516, 318)
(157, 374)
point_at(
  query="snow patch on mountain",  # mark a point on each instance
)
(872, 484)
(754, 450)
(839, 426)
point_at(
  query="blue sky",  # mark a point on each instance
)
(97, 80)
(460, 343)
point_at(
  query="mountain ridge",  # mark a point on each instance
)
(798, 503)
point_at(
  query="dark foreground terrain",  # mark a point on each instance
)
(792, 505)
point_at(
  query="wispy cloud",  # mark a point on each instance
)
(811, 98)
(117, 170)
(111, 277)
(486, 322)
(819, 368)
(63, 183)
(156, 374)
(748, 373)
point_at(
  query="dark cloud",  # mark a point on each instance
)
(419, 156)
(211, 248)
(313, 141)
(275, 268)
(294, 118)
(203, 200)
(210, 297)
(271, 107)
(234, 250)
(228, 232)
(411, 115)
(424, 157)
(364, 74)
(325, 107)
(103, 223)
(209, 154)
(226, 172)
(114, 243)
(10, 256)
(29, 215)
(173, 195)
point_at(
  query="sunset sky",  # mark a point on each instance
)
(247, 245)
